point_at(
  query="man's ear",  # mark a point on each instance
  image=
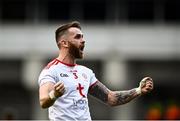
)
(65, 43)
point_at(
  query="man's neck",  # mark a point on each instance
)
(66, 58)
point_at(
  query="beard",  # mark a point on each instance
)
(75, 51)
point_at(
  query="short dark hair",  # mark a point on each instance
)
(63, 28)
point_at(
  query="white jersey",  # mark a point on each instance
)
(77, 79)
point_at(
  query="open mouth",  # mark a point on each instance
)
(81, 48)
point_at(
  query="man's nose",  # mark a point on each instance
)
(82, 41)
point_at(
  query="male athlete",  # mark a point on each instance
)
(64, 85)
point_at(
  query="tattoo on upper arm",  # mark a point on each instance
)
(123, 97)
(99, 91)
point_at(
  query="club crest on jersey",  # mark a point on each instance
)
(84, 75)
(63, 75)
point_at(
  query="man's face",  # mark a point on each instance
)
(76, 42)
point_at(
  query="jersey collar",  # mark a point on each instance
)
(67, 64)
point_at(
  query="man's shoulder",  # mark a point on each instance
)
(51, 64)
(51, 67)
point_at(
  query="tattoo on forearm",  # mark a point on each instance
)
(99, 91)
(113, 98)
(123, 97)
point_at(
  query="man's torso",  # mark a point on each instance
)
(73, 104)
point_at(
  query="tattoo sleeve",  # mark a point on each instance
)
(99, 91)
(113, 98)
(122, 97)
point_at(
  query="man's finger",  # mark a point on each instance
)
(57, 84)
(63, 90)
(150, 79)
(60, 86)
(149, 83)
(147, 78)
(149, 86)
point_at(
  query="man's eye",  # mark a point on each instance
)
(78, 36)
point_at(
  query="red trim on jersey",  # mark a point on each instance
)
(67, 64)
(56, 61)
(92, 86)
(53, 62)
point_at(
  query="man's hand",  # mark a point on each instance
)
(146, 85)
(58, 90)
(49, 92)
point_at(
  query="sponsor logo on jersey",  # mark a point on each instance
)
(63, 75)
(79, 104)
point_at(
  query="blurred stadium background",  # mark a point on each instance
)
(125, 41)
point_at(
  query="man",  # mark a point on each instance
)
(64, 85)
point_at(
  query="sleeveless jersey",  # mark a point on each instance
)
(77, 79)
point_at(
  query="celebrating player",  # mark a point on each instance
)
(64, 85)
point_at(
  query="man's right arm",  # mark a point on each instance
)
(49, 92)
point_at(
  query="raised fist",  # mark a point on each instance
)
(145, 86)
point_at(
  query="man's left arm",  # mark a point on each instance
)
(114, 98)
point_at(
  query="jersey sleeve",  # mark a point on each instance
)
(93, 78)
(46, 76)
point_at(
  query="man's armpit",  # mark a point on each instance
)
(99, 91)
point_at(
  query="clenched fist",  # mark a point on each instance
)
(58, 91)
(145, 86)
